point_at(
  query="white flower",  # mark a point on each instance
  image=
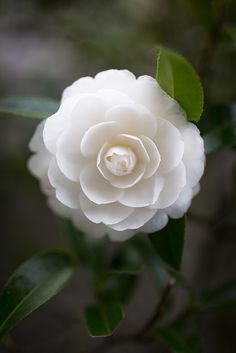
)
(118, 157)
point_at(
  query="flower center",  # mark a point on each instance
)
(120, 160)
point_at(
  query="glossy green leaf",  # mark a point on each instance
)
(168, 243)
(160, 271)
(103, 320)
(31, 107)
(33, 283)
(180, 81)
(153, 263)
(220, 298)
(173, 340)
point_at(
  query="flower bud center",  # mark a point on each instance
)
(120, 160)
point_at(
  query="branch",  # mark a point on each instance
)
(159, 309)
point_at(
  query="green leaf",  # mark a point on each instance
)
(173, 340)
(180, 81)
(160, 270)
(33, 283)
(31, 107)
(219, 298)
(168, 243)
(103, 320)
(153, 263)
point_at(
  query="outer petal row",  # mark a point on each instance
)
(136, 220)
(67, 192)
(173, 185)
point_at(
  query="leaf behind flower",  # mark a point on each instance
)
(30, 107)
(180, 81)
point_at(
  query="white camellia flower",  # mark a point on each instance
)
(118, 157)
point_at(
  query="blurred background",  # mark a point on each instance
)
(45, 45)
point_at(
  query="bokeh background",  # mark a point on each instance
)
(44, 46)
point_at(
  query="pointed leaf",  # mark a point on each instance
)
(103, 320)
(33, 283)
(153, 263)
(179, 80)
(31, 107)
(168, 243)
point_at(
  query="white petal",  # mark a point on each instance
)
(82, 85)
(46, 187)
(174, 183)
(157, 222)
(120, 236)
(96, 188)
(133, 119)
(144, 193)
(58, 208)
(147, 91)
(36, 143)
(135, 144)
(126, 181)
(113, 97)
(57, 123)
(96, 136)
(180, 206)
(153, 154)
(84, 225)
(194, 158)
(108, 214)
(115, 79)
(136, 220)
(69, 158)
(67, 192)
(169, 144)
(196, 189)
(38, 164)
(54, 126)
(88, 111)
